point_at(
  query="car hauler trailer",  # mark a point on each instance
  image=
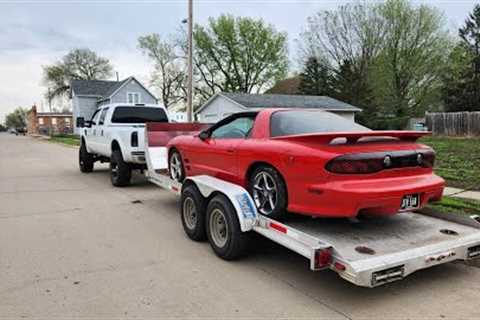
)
(367, 253)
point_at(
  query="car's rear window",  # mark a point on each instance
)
(291, 122)
(138, 115)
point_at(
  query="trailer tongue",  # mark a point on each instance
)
(367, 253)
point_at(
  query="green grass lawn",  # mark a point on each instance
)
(457, 160)
(69, 139)
(456, 205)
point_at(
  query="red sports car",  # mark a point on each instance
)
(312, 162)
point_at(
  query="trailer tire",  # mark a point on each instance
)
(192, 213)
(120, 171)
(85, 159)
(223, 229)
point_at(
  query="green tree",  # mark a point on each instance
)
(238, 55)
(407, 73)
(169, 74)
(461, 89)
(17, 118)
(78, 64)
(315, 78)
(349, 38)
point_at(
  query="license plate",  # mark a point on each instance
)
(410, 201)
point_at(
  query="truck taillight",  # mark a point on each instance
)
(134, 139)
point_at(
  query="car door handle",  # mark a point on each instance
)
(230, 150)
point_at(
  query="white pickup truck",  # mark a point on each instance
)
(115, 134)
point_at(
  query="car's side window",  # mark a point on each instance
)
(102, 116)
(238, 128)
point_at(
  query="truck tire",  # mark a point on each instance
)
(269, 192)
(223, 229)
(85, 159)
(192, 213)
(120, 171)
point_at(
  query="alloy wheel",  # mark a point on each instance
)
(265, 192)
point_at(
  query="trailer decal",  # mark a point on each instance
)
(246, 205)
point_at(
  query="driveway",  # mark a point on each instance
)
(73, 246)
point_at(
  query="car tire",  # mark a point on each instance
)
(192, 213)
(85, 159)
(176, 170)
(223, 229)
(120, 171)
(274, 192)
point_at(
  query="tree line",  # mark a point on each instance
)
(394, 60)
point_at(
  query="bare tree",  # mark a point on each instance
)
(169, 73)
(78, 64)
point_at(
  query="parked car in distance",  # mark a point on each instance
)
(312, 162)
(115, 134)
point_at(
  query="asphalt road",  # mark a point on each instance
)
(73, 246)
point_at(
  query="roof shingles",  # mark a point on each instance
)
(288, 101)
(99, 88)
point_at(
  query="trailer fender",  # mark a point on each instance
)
(238, 196)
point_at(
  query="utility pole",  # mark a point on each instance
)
(49, 101)
(190, 62)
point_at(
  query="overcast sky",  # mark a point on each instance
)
(36, 33)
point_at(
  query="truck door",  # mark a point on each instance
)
(101, 136)
(91, 133)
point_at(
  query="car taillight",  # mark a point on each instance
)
(134, 139)
(363, 163)
(347, 165)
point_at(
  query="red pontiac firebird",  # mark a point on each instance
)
(312, 162)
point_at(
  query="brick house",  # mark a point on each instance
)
(49, 122)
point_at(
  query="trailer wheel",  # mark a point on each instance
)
(192, 213)
(223, 229)
(85, 159)
(120, 171)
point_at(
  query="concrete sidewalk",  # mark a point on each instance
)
(460, 193)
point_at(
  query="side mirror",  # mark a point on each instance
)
(204, 135)
(80, 122)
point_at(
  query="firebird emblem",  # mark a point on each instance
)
(387, 161)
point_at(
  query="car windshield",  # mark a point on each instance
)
(291, 122)
(138, 115)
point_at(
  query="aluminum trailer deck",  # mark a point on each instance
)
(367, 252)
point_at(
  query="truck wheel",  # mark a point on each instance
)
(193, 213)
(223, 229)
(175, 166)
(269, 192)
(85, 159)
(120, 171)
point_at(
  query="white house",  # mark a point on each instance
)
(224, 104)
(88, 95)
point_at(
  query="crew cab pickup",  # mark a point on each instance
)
(116, 134)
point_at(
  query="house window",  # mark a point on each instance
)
(67, 121)
(133, 97)
(40, 121)
(54, 121)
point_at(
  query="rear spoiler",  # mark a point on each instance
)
(353, 137)
(159, 133)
